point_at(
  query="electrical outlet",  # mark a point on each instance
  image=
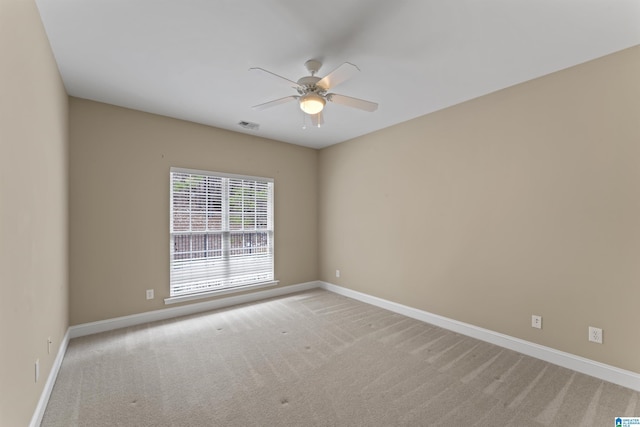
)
(149, 293)
(536, 321)
(595, 335)
(337, 273)
(37, 371)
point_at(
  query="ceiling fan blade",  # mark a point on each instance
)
(337, 76)
(284, 80)
(352, 102)
(275, 102)
(317, 120)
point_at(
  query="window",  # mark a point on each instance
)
(221, 230)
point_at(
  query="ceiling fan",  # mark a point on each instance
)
(313, 91)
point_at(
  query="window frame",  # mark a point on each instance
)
(227, 232)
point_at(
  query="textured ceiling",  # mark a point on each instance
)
(189, 59)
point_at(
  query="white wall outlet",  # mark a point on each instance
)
(337, 273)
(536, 321)
(37, 371)
(149, 293)
(595, 335)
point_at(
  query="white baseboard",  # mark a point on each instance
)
(169, 313)
(599, 370)
(36, 419)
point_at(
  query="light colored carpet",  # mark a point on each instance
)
(317, 359)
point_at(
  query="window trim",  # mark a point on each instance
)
(230, 289)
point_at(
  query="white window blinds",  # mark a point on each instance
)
(221, 229)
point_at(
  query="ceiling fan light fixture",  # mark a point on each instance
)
(312, 103)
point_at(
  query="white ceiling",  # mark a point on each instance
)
(189, 59)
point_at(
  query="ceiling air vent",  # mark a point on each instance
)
(249, 125)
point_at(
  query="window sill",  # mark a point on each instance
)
(191, 297)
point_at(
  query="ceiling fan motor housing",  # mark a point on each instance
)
(308, 84)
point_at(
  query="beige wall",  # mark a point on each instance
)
(521, 202)
(119, 202)
(33, 209)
